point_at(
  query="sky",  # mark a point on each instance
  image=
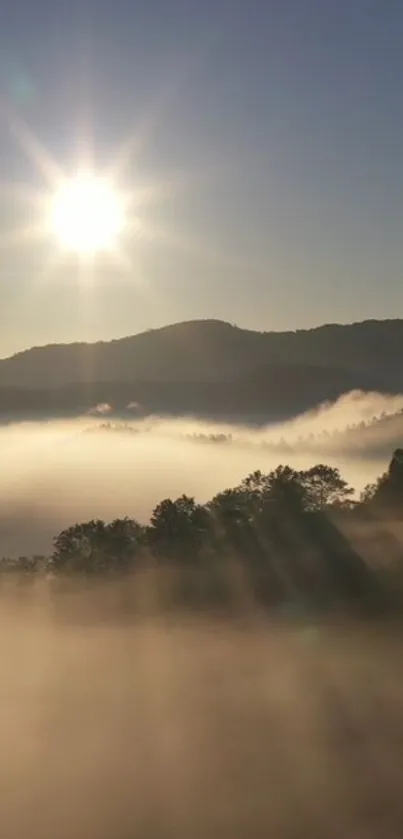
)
(264, 136)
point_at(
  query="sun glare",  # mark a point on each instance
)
(87, 214)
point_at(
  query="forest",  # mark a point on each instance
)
(288, 537)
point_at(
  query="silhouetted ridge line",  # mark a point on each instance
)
(208, 368)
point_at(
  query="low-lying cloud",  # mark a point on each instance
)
(55, 473)
(166, 729)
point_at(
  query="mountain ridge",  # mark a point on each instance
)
(209, 321)
(205, 366)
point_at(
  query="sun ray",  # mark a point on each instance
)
(20, 192)
(134, 142)
(86, 213)
(169, 94)
(32, 147)
(29, 233)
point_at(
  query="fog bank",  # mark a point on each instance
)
(56, 473)
(200, 728)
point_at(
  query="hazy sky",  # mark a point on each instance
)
(268, 133)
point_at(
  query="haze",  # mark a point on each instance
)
(261, 138)
(173, 728)
(57, 473)
(233, 669)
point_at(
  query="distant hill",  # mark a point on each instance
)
(206, 367)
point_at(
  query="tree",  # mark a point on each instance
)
(285, 491)
(387, 492)
(94, 547)
(255, 488)
(230, 507)
(395, 471)
(324, 487)
(368, 494)
(178, 528)
(259, 493)
(124, 539)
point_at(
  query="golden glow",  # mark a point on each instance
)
(87, 214)
(90, 214)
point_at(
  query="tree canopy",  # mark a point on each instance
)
(281, 527)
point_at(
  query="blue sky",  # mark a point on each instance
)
(269, 130)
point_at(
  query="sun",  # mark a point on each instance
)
(87, 214)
